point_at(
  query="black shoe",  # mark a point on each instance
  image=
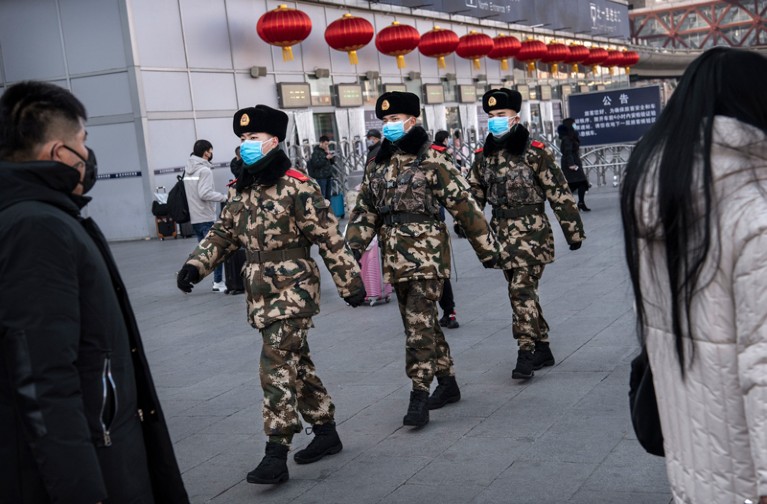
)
(543, 356)
(583, 207)
(524, 369)
(448, 320)
(273, 467)
(445, 320)
(418, 409)
(325, 442)
(446, 392)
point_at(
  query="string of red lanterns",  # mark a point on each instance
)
(397, 40)
(284, 27)
(473, 46)
(349, 33)
(504, 47)
(438, 43)
(556, 53)
(531, 51)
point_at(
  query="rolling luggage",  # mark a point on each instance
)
(337, 205)
(186, 230)
(235, 283)
(370, 266)
(166, 228)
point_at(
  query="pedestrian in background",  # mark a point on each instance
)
(202, 197)
(321, 166)
(80, 421)
(572, 166)
(277, 214)
(694, 205)
(373, 143)
(399, 200)
(516, 176)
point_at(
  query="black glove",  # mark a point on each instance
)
(491, 263)
(459, 230)
(357, 255)
(186, 277)
(575, 245)
(357, 298)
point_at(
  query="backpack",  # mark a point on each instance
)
(178, 206)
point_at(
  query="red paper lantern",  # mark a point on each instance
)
(531, 51)
(556, 53)
(349, 33)
(578, 54)
(614, 59)
(474, 46)
(504, 47)
(630, 58)
(285, 28)
(596, 56)
(438, 43)
(397, 40)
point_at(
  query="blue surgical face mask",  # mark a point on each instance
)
(498, 126)
(251, 151)
(393, 131)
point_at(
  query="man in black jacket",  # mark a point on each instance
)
(321, 166)
(80, 421)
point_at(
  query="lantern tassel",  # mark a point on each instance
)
(401, 61)
(575, 68)
(531, 67)
(287, 53)
(353, 58)
(612, 70)
(441, 62)
(477, 64)
(594, 69)
(504, 64)
(555, 68)
(628, 70)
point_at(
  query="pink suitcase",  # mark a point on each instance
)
(370, 265)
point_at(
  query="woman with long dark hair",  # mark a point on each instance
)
(694, 206)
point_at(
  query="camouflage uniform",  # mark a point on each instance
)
(399, 200)
(517, 187)
(283, 293)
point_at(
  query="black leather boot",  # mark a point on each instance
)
(543, 356)
(418, 409)
(325, 442)
(524, 369)
(583, 207)
(446, 392)
(273, 467)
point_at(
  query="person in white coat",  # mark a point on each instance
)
(203, 198)
(694, 205)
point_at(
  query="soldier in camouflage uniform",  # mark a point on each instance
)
(277, 213)
(516, 176)
(400, 196)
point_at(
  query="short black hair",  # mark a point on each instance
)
(440, 137)
(30, 110)
(201, 147)
(457, 133)
(324, 138)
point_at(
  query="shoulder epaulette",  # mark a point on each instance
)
(231, 183)
(537, 144)
(438, 148)
(292, 173)
(479, 151)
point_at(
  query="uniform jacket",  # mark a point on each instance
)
(570, 147)
(715, 421)
(320, 167)
(373, 152)
(397, 182)
(279, 210)
(515, 173)
(200, 191)
(74, 381)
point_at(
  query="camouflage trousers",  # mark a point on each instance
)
(528, 324)
(289, 381)
(426, 351)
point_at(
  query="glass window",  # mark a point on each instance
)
(321, 91)
(325, 124)
(452, 119)
(449, 91)
(371, 90)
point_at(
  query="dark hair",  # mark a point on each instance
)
(457, 133)
(440, 137)
(324, 138)
(201, 147)
(721, 81)
(28, 112)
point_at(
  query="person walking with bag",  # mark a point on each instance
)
(572, 166)
(694, 207)
(277, 214)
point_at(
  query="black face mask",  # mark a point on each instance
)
(91, 168)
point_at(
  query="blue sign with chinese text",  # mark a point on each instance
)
(618, 116)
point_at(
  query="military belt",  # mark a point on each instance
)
(266, 256)
(520, 211)
(407, 218)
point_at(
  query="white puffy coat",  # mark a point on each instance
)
(715, 421)
(200, 193)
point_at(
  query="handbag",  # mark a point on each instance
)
(644, 406)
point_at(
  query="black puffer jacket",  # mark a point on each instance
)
(319, 164)
(74, 381)
(570, 147)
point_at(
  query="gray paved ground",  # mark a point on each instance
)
(565, 436)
